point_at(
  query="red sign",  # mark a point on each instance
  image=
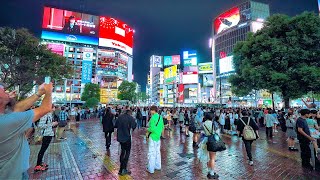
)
(116, 34)
(56, 48)
(227, 20)
(180, 93)
(70, 22)
(187, 73)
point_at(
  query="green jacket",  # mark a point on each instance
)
(155, 130)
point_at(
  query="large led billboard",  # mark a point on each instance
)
(227, 20)
(56, 48)
(116, 34)
(205, 68)
(171, 60)
(190, 78)
(180, 93)
(70, 22)
(226, 65)
(170, 74)
(69, 38)
(190, 58)
(208, 80)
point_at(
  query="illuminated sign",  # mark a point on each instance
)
(180, 93)
(69, 38)
(86, 71)
(208, 80)
(70, 22)
(205, 68)
(190, 78)
(87, 54)
(226, 64)
(115, 34)
(156, 61)
(56, 48)
(190, 58)
(171, 60)
(170, 74)
(227, 20)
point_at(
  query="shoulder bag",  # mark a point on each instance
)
(149, 133)
(214, 143)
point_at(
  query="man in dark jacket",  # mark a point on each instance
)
(124, 124)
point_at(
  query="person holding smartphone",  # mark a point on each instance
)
(15, 120)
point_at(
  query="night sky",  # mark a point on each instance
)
(163, 27)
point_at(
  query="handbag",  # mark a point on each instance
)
(215, 143)
(38, 135)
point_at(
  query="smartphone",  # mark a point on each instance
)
(47, 80)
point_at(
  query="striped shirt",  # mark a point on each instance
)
(45, 125)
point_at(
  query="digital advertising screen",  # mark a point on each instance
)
(69, 37)
(190, 78)
(205, 68)
(227, 20)
(170, 74)
(70, 22)
(190, 58)
(171, 60)
(56, 48)
(207, 80)
(180, 93)
(115, 34)
(226, 64)
(193, 92)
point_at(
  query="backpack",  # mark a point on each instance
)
(248, 132)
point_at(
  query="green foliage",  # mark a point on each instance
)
(92, 102)
(25, 61)
(284, 57)
(90, 91)
(126, 91)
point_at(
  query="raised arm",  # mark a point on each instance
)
(46, 104)
(27, 103)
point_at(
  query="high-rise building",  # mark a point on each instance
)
(99, 48)
(229, 28)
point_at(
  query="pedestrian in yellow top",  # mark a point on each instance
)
(155, 129)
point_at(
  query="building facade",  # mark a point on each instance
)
(229, 28)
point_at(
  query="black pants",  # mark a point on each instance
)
(248, 145)
(175, 121)
(305, 154)
(269, 132)
(45, 144)
(108, 135)
(144, 121)
(125, 153)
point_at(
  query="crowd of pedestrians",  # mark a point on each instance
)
(205, 125)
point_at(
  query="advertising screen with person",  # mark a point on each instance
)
(70, 22)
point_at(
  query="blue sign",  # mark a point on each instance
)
(86, 71)
(69, 38)
(190, 58)
(167, 60)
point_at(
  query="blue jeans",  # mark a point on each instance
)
(139, 123)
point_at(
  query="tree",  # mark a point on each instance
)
(284, 57)
(25, 61)
(90, 91)
(91, 102)
(127, 91)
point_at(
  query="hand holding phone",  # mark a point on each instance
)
(47, 80)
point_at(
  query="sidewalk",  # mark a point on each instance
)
(83, 156)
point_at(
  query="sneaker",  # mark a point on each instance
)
(125, 172)
(251, 163)
(44, 165)
(162, 137)
(39, 168)
(62, 138)
(149, 171)
(215, 176)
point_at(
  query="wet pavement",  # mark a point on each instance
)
(83, 156)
